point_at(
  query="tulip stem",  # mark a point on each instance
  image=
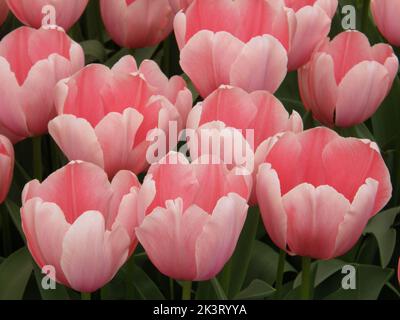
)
(37, 157)
(171, 288)
(186, 290)
(306, 279)
(279, 273)
(85, 296)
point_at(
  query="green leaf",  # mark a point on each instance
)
(144, 53)
(94, 51)
(380, 227)
(263, 264)
(221, 295)
(369, 283)
(234, 274)
(15, 272)
(146, 288)
(14, 212)
(256, 290)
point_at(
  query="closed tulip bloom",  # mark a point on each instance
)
(386, 16)
(240, 43)
(257, 116)
(3, 11)
(77, 222)
(31, 63)
(317, 191)
(6, 166)
(137, 23)
(312, 20)
(347, 79)
(190, 216)
(105, 115)
(29, 12)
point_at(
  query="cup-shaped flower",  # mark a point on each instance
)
(3, 11)
(105, 115)
(312, 20)
(77, 222)
(386, 16)
(190, 216)
(31, 63)
(240, 43)
(34, 12)
(138, 23)
(251, 118)
(317, 191)
(346, 79)
(6, 166)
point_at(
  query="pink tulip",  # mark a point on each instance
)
(190, 216)
(105, 115)
(240, 43)
(31, 63)
(256, 116)
(29, 12)
(77, 222)
(137, 23)
(386, 15)
(3, 11)
(347, 79)
(6, 166)
(317, 191)
(312, 21)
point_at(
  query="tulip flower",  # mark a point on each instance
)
(257, 116)
(190, 216)
(386, 16)
(3, 11)
(77, 222)
(347, 79)
(31, 63)
(317, 191)
(240, 43)
(138, 23)
(30, 13)
(312, 21)
(6, 166)
(105, 115)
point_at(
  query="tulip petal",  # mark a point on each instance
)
(261, 65)
(369, 82)
(91, 255)
(218, 239)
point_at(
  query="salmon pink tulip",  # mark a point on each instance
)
(77, 222)
(347, 79)
(312, 21)
(138, 23)
(105, 115)
(317, 191)
(190, 216)
(178, 5)
(6, 166)
(240, 43)
(29, 12)
(31, 63)
(386, 15)
(256, 116)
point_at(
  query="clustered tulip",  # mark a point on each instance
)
(98, 105)
(32, 61)
(316, 190)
